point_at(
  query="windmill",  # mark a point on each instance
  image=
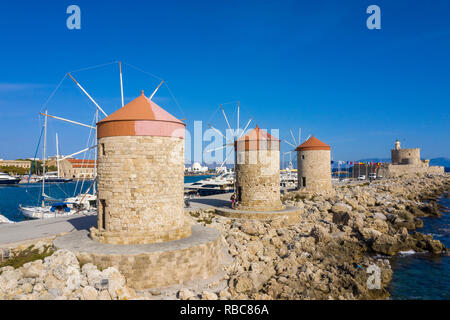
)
(43, 211)
(235, 133)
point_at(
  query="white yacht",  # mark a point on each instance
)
(57, 209)
(288, 177)
(6, 179)
(83, 202)
(222, 183)
(52, 177)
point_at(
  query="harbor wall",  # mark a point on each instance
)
(393, 171)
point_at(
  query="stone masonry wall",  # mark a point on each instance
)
(392, 171)
(406, 156)
(258, 179)
(140, 190)
(315, 168)
(161, 268)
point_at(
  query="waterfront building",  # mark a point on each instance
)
(15, 163)
(77, 168)
(196, 168)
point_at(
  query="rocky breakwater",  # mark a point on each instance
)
(60, 277)
(343, 235)
(332, 252)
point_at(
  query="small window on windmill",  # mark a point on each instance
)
(102, 149)
(303, 157)
(241, 158)
(102, 212)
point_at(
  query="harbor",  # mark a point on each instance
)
(373, 215)
(243, 158)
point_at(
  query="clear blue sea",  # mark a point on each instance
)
(12, 196)
(424, 275)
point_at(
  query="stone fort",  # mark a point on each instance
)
(405, 162)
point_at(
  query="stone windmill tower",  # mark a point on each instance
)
(140, 175)
(142, 229)
(257, 166)
(314, 165)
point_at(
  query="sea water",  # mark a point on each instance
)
(29, 195)
(424, 275)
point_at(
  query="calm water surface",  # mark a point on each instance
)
(424, 275)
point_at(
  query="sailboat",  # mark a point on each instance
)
(56, 207)
(54, 176)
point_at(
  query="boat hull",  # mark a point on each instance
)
(45, 213)
(56, 180)
(9, 182)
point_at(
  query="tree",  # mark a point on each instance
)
(14, 170)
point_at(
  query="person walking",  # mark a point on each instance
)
(233, 200)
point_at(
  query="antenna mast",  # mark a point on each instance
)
(57, 154)
(43, 166)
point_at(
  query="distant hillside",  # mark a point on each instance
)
(433, 162)
(375, 160)
(440, 162)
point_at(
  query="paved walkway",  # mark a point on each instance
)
(211, 202)
(35, 229)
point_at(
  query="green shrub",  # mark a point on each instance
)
(28, 255)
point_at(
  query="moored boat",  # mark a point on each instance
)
(52, 177)
(57, 209)
(219, 184)
(6, 179)
(50, 207)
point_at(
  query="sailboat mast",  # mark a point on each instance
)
(43, 157)
(95, 160)
(57, 154)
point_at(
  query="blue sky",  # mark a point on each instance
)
(291, 64)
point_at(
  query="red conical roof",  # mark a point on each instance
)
(141, 108)
(257, 134)
(257, 139)
(141, 117)
(313, 144)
